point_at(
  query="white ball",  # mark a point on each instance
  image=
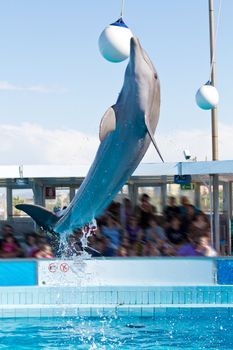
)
(207, 97)
(114, 42)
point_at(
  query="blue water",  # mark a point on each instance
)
(207, 330)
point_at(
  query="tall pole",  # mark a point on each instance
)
(214, 124)
(214, 112)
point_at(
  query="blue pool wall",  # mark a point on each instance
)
(27, 272)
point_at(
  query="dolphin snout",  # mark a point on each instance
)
(134, 46)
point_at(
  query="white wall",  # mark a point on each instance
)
(127, 272)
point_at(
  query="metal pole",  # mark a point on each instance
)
(214, 122)
(214, 112)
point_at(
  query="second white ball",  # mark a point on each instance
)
(207, 97)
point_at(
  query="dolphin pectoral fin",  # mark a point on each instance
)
(107, 124)
(43, 217)
(152, 138)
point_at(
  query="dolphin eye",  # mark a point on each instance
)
(156, 76)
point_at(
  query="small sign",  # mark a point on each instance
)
(187, 187)
(64, 267)
(50, 192)
(182, 179)
(52, 267)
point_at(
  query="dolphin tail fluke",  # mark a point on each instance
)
(153, 139)
(43, 217)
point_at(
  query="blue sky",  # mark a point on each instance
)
(52, 75)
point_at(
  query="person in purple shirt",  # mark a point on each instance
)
(199, 246)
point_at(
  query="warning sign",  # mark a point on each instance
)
(52, 267)
(64, 267)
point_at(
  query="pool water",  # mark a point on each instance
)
(207, 330)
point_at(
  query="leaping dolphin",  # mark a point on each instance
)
(126, 130)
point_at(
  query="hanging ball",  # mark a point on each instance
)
(207, 96)
(114, 41)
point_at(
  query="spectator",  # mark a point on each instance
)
(201, 221)
(174, 231)
(144, 211)
(166, 249)
(8, 240)
(44, 252)
(112, 230)
(187, 210)
(155, 232)
(171, 209)
(122, 251)
(30, 245)
(133, 230)
(150, 249)
(9, 248)
(199, 246)
(126, 211)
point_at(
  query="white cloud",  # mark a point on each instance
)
(33, 144)
(6, 86)
(198, 142)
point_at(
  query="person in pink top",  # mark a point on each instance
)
(44, 252)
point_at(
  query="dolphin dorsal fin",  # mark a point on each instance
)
(107, 124)
(147, 122)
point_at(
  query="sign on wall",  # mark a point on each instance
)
(50, 192)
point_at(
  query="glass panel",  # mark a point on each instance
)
(20, 196)
(155, 196)
(3, 211)
(205, 198)
(220, 198)
(62, 199)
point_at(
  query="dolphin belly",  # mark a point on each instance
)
(114, 163)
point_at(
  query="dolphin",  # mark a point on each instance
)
(125, 132)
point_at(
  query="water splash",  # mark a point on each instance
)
(88, 230)
(75, 244)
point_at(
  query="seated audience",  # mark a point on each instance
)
(124, 231)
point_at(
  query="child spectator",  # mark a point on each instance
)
(44, 252)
